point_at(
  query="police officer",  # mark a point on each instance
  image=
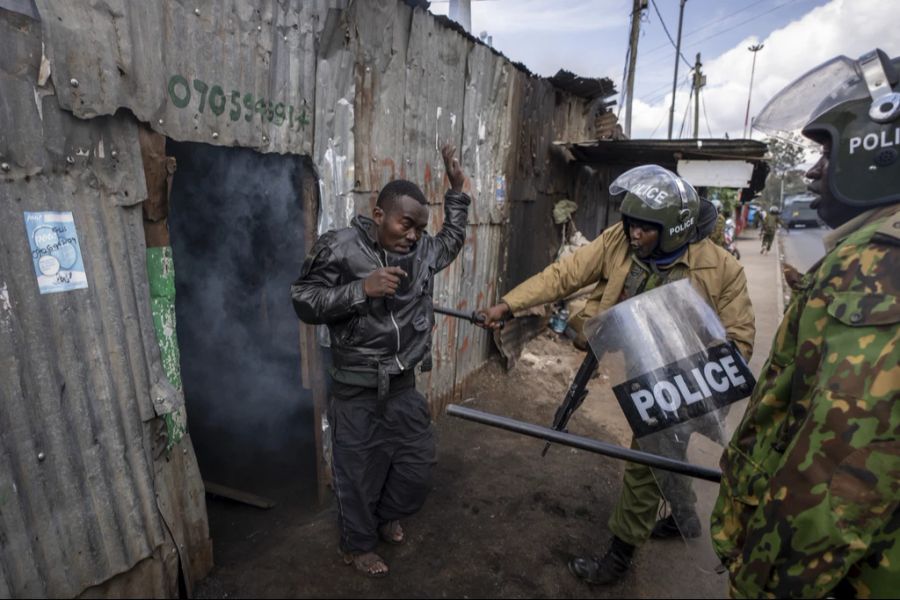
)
(810, 501)
(770, 225)
(718, 234)
(657, 242)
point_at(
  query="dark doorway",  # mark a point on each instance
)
(236, 224)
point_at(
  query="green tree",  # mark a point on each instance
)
(727, 196)
(784, 156)
(784, 159)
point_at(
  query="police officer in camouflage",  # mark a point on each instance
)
(770, 225)
(809, 504)
(664, 237)
(718, 234)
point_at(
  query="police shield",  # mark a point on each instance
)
(675, 374)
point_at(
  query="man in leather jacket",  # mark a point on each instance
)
(372, 284)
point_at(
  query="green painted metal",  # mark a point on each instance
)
(161, 275)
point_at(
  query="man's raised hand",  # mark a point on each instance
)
(454, 170)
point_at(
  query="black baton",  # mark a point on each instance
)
(471, 317)
(584, 443)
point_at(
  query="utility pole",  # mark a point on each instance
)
(699, 82)
(754, 49)
(461, 12)
(636, 12)
(677, 58)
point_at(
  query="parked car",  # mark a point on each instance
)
(798, 212)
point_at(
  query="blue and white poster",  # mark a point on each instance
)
(55, 251)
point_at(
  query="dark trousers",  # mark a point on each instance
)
(382, 459)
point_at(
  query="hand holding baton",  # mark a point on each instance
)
(474, 317)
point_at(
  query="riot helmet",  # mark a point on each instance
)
(854, 106)
(718, 205)
(661, 197)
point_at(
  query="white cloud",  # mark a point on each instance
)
(548, 35)
(544, 16)
(849, 27)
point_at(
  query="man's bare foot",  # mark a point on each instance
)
(367, 563)
(392, 532)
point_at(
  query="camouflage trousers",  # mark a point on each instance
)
(767, 241)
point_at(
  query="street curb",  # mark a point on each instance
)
(779, 283)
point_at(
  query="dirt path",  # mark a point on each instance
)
(500, 522)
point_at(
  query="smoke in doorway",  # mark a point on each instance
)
(236, 227)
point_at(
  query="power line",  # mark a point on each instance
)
(655, 96)
(655, 129)
(680, 88)
(687, 108)
(706, 25)
(666, 29)
(721, 32)
(762, 14)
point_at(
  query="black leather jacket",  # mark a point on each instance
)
(380, 336)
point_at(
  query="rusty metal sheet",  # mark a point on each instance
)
(487, 128)
(433, 104)
(381, 45)
(75, 387)
(238, 72)
(334, 143)
(81, 381)
(36, 137)
(434, 110)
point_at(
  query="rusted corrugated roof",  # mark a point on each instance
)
(667, 153)
(664, 152)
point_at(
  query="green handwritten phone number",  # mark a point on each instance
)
(237, 104)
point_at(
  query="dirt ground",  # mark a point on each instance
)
(501, 521)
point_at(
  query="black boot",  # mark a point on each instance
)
(668, 528)
(609, 569)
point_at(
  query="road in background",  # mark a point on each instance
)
(803, 247)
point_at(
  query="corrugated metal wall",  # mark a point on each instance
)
(394, 82)
(369, 90)
(83, 495)
(235, 72)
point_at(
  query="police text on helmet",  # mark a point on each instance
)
(648, 191)
(873, 141)
(681, 226)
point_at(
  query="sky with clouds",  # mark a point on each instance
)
(590, 38)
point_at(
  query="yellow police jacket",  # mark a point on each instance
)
(606, 261)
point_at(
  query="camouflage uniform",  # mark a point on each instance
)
(769, 226)
(810, 497)
(718, 235)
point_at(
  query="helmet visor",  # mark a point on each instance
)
(828, 85)
(655, 186)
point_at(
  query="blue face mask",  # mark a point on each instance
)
(664, 260)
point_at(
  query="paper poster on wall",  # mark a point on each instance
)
(55, 251)
(500, 189)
